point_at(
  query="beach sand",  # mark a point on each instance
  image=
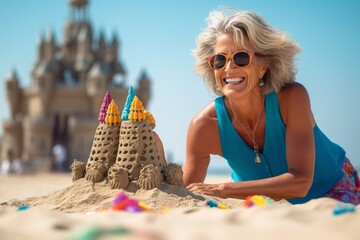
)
(61, 209)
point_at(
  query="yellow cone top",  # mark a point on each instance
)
(137, 113)
(150, 117)
(112, 114)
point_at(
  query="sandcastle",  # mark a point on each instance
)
(124, 149)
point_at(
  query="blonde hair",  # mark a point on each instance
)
(277, 48)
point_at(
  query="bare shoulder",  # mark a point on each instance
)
(293, 91)
(294, 98)
(203, 128)
(206, 116)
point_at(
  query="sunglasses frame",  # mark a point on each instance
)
(231, 57)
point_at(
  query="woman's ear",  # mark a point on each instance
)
(262, 71)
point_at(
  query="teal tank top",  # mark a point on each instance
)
(329, 157)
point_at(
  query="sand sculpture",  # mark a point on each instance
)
(124, 149)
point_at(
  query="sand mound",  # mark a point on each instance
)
(72, 213)
(84, 196)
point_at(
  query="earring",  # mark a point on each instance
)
(261, 83)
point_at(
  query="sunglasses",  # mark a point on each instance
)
(241, 59)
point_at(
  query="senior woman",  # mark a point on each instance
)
(261, 123)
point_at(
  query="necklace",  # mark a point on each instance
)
(257, 158)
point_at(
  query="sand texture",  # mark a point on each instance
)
(62, 209)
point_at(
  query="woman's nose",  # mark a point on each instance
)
(230, 64)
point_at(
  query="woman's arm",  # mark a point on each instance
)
(300, 150)
(202, 140)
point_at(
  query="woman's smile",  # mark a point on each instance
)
(233, 80)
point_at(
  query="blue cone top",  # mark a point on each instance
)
(129, 99)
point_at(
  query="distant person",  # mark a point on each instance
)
(59, 153)
(261, 122)
(10, 165)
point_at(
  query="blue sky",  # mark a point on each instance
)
(158, 36)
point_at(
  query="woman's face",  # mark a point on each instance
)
(232, 79)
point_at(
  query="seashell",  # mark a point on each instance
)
(137, 110)
(96, 172)
(104, 106)
(174, 175)
(150, 177)
(77, 170)
(129, 99)
(118, 177)
(112, 114)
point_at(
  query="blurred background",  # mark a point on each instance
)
(147, 44)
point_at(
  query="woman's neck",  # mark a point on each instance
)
(246, 109)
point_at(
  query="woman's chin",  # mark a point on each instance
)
(233, 89)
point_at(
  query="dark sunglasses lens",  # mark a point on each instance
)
(218, 61)
(241, 59)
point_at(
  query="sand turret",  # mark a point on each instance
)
(125, 149)
(105, 143)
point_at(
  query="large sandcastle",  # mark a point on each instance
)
(125, 149)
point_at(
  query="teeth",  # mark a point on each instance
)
(234, 80)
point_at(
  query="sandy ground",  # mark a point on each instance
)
(186, 217)
(33, 185)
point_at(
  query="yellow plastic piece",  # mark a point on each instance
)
(112, 114)
(137, 113)
(222, 206)
(144, 206)
(258, 200)
(149, 117)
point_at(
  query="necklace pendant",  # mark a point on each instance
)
(257, 158)
(257, 155)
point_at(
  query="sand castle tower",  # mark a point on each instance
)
(137, 147)
(125, 150)
(138, 157)
(105, 144)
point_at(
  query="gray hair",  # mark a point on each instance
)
(277, 48)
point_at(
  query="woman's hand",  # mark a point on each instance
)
(206, 189)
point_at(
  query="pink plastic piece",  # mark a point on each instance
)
(104, 106)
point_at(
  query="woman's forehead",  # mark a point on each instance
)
(228, 43)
